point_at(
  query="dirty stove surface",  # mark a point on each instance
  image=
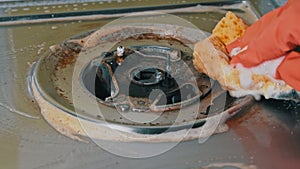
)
(265, 135)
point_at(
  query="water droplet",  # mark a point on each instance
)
(54, 27)
(26, 9)
(14, 10)
(124, 107)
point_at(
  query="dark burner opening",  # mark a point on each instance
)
(146, 76)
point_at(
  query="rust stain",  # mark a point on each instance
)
(157, 37)
(244, 116)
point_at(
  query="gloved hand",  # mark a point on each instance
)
(275, 35)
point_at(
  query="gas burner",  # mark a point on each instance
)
(131, 83)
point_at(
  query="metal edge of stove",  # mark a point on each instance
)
(261, 7)
(55, 17)
(22, 3)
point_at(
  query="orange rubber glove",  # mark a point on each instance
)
(275, 35)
